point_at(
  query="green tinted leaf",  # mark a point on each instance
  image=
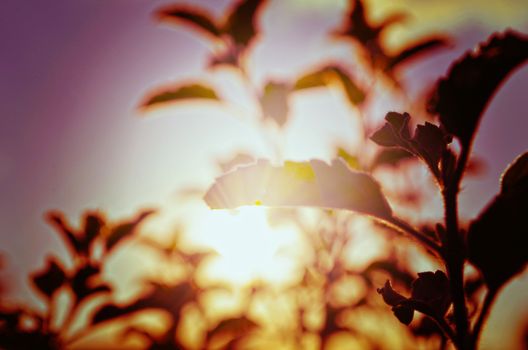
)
(515, 174)
(192, 16)
(329, 75)
(185, 92)
(274, 102)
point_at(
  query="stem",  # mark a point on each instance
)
(454, 252)
(408, 229)
(484, 312)
(444, 326)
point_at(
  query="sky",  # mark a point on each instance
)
(73, 74)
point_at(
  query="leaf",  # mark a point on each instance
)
(391, 157)
(57, 219)
(414, 50)
(313, 183)
(179, 93)
(124, 230)
(274, 102)
(350, 160)
(515, 174)
(195, 17)
(86, 282)
(429, 141)
(232, 327)
(461, 97)
(169, 298)
(433, 290)
(50, 279)
(93, 223)
(241, 22)
(332, 74)
(496, 239)
(430, 295)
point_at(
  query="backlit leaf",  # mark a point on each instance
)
(181, 93)
(313, 183)
(329, 75)
(461, 97)
(274, 102)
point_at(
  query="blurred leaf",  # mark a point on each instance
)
(93, 223)
(86, 282)
(461, 97)
(391, 157)
(185, 92)
(430, 142)
(241, 22)
(124, 230)
(350, 160)
(195, 17)
(232, 327)
(57, 219)
(168, 298)
(496, 238)
(515, 174)
(313, 183)
(50, 279)
(414, 50)
(328, 75)
(274, 102)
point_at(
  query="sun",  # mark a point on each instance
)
(249, 248)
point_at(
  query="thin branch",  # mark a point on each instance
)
(402, 226)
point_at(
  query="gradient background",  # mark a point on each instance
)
(74, 72)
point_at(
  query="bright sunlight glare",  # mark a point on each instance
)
(250, 249)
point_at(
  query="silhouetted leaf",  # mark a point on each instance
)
(461, 97)
(433, 290)
(496, 239)
(515, 174)
(179, 93)
(93, 223)
(194, 16)
(329, 75)
(57, 219)
(124, 230)
(86, 282)
(274, 102)
(299, 184)
(241, 22)
(430, 295)
(429, 141)
(161, 297)
(50, 279)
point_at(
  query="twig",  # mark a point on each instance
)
(422, 238)
(484, 312)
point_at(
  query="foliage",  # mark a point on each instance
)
(448, 299)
